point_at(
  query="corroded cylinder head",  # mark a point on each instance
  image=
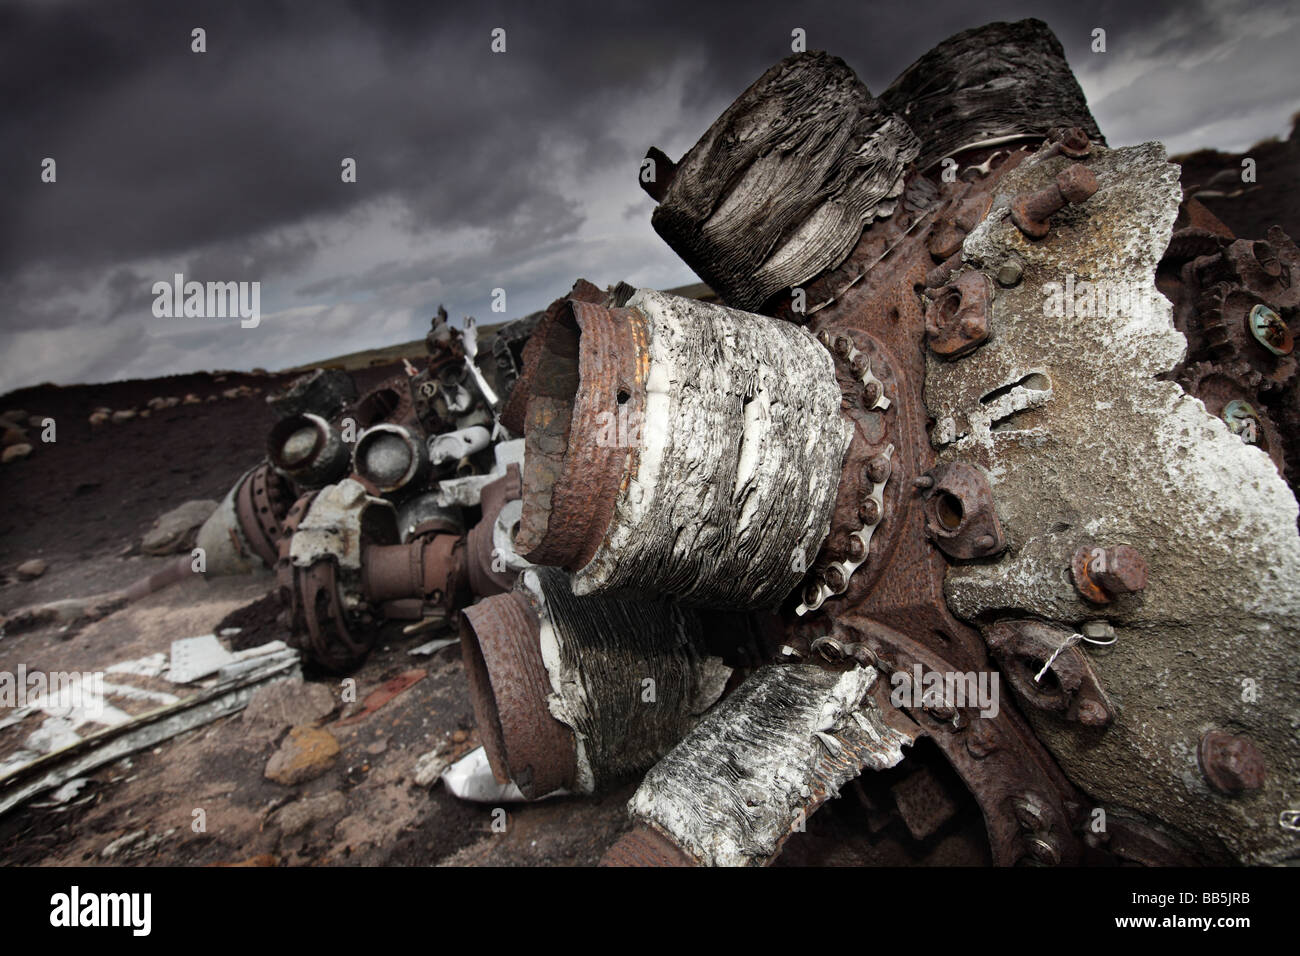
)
(308, 450)
(681, 448)
(578, 694)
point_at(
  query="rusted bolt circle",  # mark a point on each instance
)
(869, 512)
(1231, 763)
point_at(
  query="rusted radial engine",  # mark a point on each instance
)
(935, 443)
(361, 505)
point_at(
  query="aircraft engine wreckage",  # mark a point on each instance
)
(988, 407)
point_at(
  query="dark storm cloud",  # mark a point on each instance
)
(226, 164)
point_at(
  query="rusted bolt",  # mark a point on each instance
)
(857, 549)
(945, 239)
(957, 321)
(1102, 574)
(860, 363)
(869, 512)
(843, 346)
(1093, 713)
(1009, 273)
(1029, 813)
(878, 469)
(982, 738)
(1043, 850)
(825, 337)
(1071, 141)
(1270, 331)
(871, 394)
(835, 579)
(1032, 211)
(1231, 763)
(986, 542)
(922, 482)
(828, 648)
(811, 592)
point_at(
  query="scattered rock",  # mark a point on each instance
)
(289, 703)
(32, 569)
(459, 736)
(98, 418)
(123, 415)
(302, 814)
(304, 755)
(36, 421)
(121, 843)
(15, 452)
(176, 530)
(192, 399)
(13, 435)
(429, 768)
(14, 416)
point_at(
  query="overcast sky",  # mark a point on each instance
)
(475, 170)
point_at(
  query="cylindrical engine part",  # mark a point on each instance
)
(429, 568)
(390, 457)
(580, 693)
(682, 448)
(492, 562)
(308, 450)
(423, 513)
(461, 443)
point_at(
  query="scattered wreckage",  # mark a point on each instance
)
(983, 398)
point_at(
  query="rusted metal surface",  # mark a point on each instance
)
(960, 515)
(645, 846)
(500, 642)
(1102, 574)
(1231, 762)
(1049, 672)
(957, 318)
(571, 486)
(1032, 211)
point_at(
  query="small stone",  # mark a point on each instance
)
(36, 421)
(13, 436)
(98, 418)
(459, 736)
(123, 415)
(15, 452)
(301, 815)
(192, 399)
(289, 703)
(15, 416)
(32, 569)
(307, 753)
(175, 530)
